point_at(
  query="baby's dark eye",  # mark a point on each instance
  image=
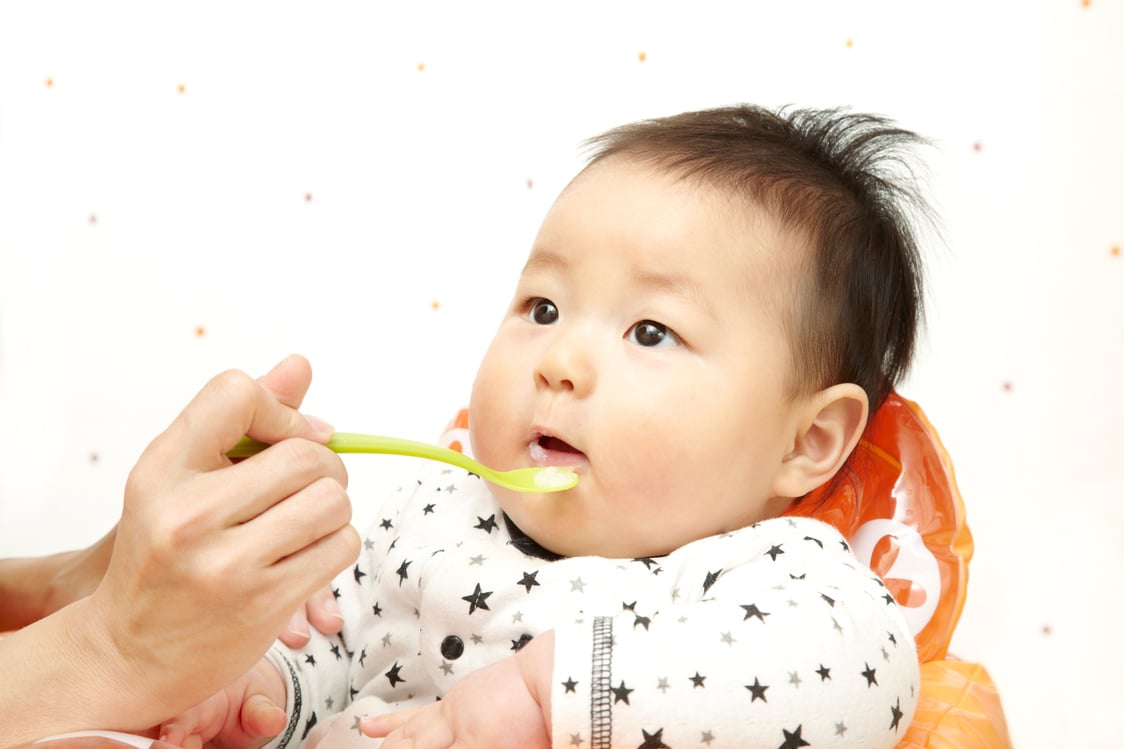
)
(543, 312)
(651, 334)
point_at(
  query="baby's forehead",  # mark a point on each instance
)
(775, 243)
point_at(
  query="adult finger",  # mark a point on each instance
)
(289, 380)
(266, 479)
(316, 511)
(314, 566)
(231, 405)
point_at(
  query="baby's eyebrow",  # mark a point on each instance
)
(675, 284)
(544, 260)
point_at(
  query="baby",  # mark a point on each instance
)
(710, 311)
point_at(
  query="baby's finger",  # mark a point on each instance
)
(261, 718)
(323, 612)
(296, 634)
(378, 726)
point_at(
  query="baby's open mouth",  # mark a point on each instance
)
(552, 451)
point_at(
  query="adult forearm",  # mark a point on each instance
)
(24, 586)
(61, 674)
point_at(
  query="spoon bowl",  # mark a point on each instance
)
(536, 480)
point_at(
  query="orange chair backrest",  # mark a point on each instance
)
(897, 502)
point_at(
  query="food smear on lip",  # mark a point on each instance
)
(553, 477)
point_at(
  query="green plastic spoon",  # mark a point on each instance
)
(536, 480)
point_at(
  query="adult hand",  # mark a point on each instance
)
(210, 561)
(77, 574)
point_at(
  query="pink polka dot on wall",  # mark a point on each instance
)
(94, 457)
(977, 146)
(1008, 386)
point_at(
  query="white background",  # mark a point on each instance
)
(186, 188)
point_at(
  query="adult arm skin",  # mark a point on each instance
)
(209, 563)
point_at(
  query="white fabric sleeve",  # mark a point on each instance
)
(782, 639)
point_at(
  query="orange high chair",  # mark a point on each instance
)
(897, 503)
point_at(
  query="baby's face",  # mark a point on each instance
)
(643, 349)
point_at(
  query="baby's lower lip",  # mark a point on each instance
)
(546, 456)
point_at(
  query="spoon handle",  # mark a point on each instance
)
(349, 442)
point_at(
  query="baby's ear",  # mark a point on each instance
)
(829, 427)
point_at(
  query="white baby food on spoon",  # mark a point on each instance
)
(552, 477)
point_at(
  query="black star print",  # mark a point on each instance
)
(815, 540)
(427, 510)
(336, 651)
(386, 524)
(336, 593)
(517, 645)
(697, 680)
(628, 606)
(896, 711)
(310, 659)
(376, 610)
(620, 694)
(653, 740)
(829, 599)
(488, 525)
(752, 610)
(775, 551)
(824, 672)
(648, 562)
(889, 599)
(359, 573)
(308, 726)
(477, 599)
(794, 577)
(711, 578)
(393, 675)
(845, 546)
(363, 657)
(892, 638)
(793, 740)
(402, 575)
(758, 690)
(529, 580)
(641, 620)
(869, 674)
(570, 685)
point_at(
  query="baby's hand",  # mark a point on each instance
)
(245, 715)
(491, 708)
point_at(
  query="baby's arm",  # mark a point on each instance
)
(245, 715)
(502, 706)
